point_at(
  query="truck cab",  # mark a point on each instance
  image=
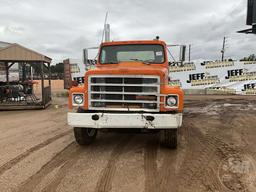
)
(129, 88)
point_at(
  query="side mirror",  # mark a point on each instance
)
(85, 57)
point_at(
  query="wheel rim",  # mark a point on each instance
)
(91, 132)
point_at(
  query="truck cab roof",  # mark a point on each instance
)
(157, 42)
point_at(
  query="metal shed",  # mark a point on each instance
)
(17, 85)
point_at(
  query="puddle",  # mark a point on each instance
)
(242, 107)
(232, 105)
(208, 110)
(215, 108)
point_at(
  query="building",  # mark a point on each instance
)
(18, 68)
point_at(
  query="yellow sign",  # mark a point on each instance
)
(223, 90)
(208, 80)
(184, 67)
(250, 92)
(219, 64)
(249, 62)
(247, 76)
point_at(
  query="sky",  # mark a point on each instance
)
(61, 29)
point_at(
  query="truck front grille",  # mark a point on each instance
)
(124, 93)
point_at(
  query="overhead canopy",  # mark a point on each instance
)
(18, 93)
(16, 53)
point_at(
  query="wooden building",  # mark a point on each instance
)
(17, 85)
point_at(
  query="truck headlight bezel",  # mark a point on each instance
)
(172, 101)
(77, 99)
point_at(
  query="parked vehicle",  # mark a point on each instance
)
(127, 89)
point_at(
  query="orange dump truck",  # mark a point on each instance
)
(127, 89)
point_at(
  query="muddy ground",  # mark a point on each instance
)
(217, 152)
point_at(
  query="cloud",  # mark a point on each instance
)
(62, 28)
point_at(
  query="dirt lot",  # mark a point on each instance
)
(217, 152)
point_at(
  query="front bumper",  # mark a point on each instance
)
(125, 120)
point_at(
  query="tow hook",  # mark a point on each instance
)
(150, 118)
(95, 117)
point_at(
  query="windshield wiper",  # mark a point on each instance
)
(111, 62)
(143, 61)
(150, 61)
(136, 60)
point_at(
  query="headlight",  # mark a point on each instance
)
(172, 101)
(78, 99)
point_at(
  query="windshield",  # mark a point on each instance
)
(144, 53)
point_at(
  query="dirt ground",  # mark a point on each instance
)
(217, 152)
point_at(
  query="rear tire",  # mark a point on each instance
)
(85, 136)
(169, 138)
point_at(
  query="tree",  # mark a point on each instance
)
(57, 71)
(251, 57)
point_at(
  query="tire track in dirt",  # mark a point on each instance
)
(53, 185)
(209, 148)
(65, 159)
(223, 151)
(199, 165)
(37, 147)
(20, 128)
(150, 165)
(46, 130)
(167, 176)
(104, 183)
(200, 153)
(38, 116)
(212, 182)
(221, 148)
(232, 150)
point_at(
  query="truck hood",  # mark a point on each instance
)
(130, 68)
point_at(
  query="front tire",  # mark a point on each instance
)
(85, 136)
(169, 138)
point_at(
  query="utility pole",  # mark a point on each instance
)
(189, 52)
(223, 49)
